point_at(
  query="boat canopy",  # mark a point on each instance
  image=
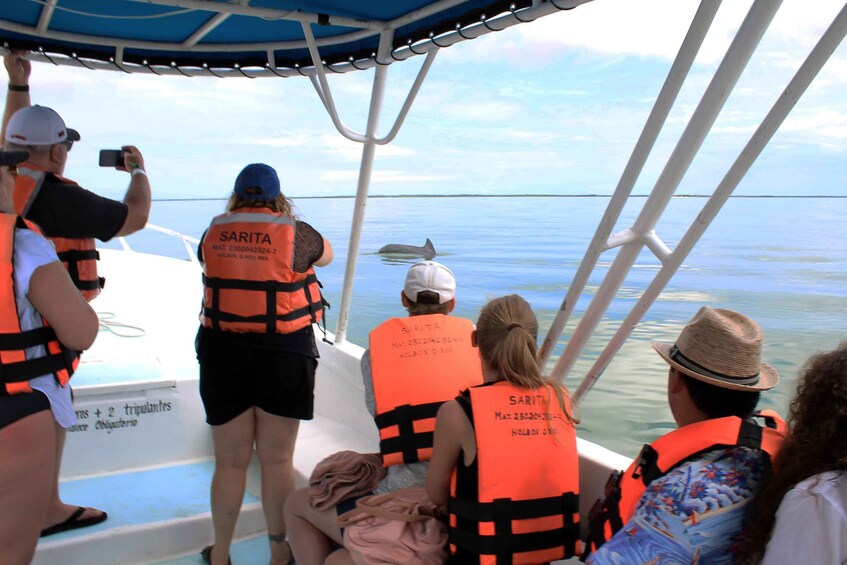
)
(250, 37)
(253, 38)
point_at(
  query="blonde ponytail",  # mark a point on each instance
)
(507, 336)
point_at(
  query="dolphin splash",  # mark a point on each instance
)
(427, 250)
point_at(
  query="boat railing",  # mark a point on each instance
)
(190, 243)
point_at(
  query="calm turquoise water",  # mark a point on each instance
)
(782, 261)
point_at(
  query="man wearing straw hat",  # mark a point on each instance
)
(683, 499)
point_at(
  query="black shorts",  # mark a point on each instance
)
(235, 377)
(18, 406)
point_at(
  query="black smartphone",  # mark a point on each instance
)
(111, 158)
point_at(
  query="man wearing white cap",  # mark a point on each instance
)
(684, 498)
(414, 365)
(68, 215)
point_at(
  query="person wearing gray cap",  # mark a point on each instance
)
(414, 365)
(70, 216)
(36, 362)
(684, 499)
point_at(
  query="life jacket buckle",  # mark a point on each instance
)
(767, 419)
(646, 465)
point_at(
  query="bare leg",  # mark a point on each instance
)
(340, 557)
(58, 511)
(314, 535)
(233, 450)
(27, 461)
(275, 438)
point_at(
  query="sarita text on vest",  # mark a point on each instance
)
(245, 237)
(527, 400)
(414, 328)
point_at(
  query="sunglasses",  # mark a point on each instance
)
(68, 143)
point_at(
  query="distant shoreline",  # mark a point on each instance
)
(341, 197)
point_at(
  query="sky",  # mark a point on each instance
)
(551, 107)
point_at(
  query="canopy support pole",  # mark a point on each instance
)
(738, 55)
(365, 169)
(807, 72)
(658, 115)
(369, 141)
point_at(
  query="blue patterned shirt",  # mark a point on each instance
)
(694, 514)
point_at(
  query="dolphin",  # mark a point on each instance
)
(427, 251)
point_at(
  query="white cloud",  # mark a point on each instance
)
(342, 149)
(555, 105)
(383, 176)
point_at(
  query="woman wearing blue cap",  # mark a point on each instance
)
(256, 348)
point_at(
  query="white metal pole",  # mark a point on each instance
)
(743, 45)
(325, 93)
(410, 98)
(810, 68)
(365, 169)
(673, 83)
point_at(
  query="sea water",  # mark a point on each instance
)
(782, 261)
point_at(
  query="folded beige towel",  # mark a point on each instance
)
(344, 475)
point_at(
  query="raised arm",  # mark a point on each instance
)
(56, 298)
(138, 195)
(17, 96)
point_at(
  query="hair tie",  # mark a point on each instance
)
(513, 326)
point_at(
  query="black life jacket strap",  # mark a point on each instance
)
(72, 257)
(270, 288)
(750, 434)
(504, 543)
(261, 286)
(407, 413)
(321, 306)
(508, 509)
(606, 509)
(29, 338)
(217, 316)
(407, 441)
(31, 368)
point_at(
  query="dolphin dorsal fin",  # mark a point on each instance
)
(429, 245)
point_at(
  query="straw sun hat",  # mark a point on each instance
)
(721, 348)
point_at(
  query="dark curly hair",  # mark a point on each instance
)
(817, 442)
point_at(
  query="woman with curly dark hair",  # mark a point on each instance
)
(801, 512)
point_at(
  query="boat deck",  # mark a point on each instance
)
(142, 450)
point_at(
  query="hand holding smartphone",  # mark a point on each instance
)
(111, 158)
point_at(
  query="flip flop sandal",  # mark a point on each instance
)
(73, 523)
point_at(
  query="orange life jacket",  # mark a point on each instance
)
(78, 254)
(15, 369)
(624, 490)
(417, 364)
(526, 506)
(249, 281)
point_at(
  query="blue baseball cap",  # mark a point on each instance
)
(257, 182)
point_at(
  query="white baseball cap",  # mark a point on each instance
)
(430, 276)
(38, 125)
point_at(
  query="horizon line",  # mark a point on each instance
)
(515, 195)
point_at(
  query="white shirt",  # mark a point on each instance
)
(811, 523)
(31, 252)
